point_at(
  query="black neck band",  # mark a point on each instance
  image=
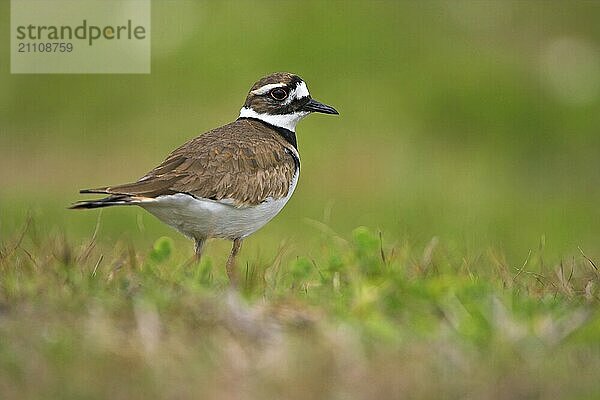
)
(289, 136)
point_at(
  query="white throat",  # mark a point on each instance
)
(287, 121)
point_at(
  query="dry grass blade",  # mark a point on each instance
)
(520, 270)
(588, 259)
(5, 255)
(381, 252)
(591, 262)
(428, 253)
(97, 265)
(30, 256)
(88, 249)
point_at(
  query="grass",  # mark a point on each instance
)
(366, 317)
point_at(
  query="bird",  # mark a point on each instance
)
(229, 181)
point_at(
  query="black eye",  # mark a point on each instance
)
(279, 94)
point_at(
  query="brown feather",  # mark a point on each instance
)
(245, 161)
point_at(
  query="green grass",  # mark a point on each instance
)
(364, 317)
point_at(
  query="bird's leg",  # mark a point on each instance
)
(198, 247)
(194, 261)
(231, 272)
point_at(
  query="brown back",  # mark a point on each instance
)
(245, 161)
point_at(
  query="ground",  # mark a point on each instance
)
(368, 317)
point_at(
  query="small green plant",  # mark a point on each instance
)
(162, 249)
(366, 246)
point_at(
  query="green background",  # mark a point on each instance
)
(473, 121)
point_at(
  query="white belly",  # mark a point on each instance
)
(204, 218)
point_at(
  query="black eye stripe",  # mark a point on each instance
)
(294, 106)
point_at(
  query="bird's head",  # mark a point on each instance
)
(281, 99)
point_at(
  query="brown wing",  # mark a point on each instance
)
(244, 161)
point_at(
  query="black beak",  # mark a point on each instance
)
(315, 106)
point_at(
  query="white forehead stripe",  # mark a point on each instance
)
(301, 90)
(264, 89)
(287, 121)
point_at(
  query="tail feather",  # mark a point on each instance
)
(113, 200)
(95, 191)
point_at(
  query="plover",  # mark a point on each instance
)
(230, 181)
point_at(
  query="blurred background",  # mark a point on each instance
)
(473, 121)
